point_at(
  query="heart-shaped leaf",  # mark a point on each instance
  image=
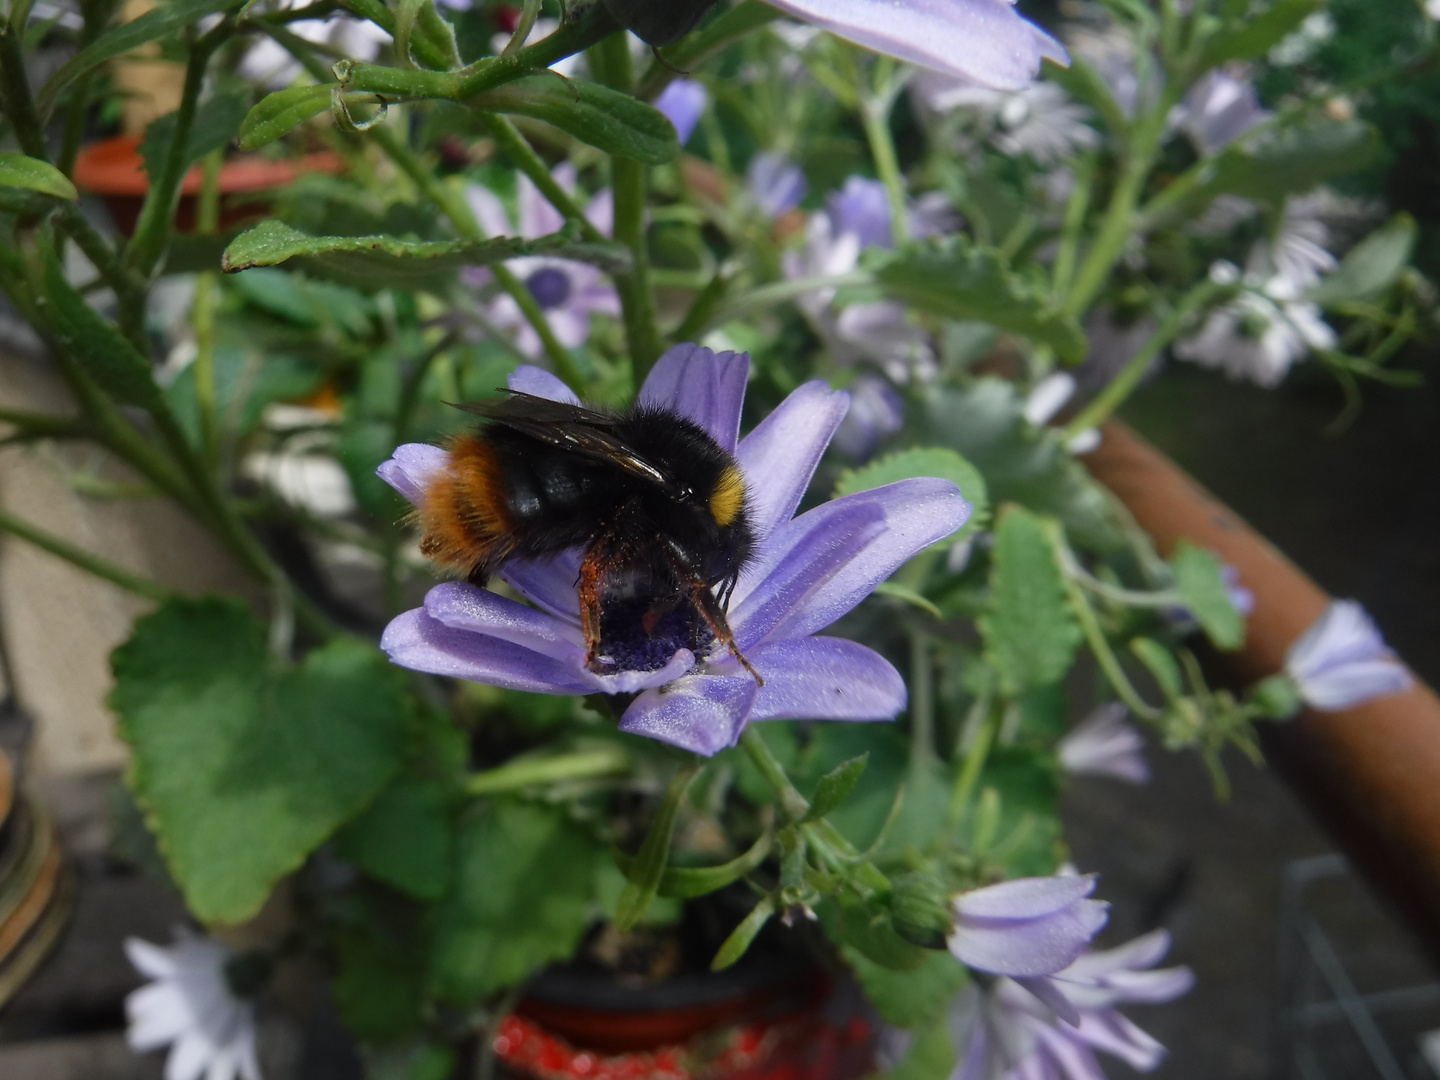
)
(243, 764)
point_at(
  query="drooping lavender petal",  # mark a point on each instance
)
(549, 582)
(776, 183)
(985, 41)
(1104, 744)
(411, 468)
(1026, 927)
(705, 386)
(1218, 109)
(682, 103)
(701, 713)
(1342, 660)
(480, 611)
(416, 641)
(785, 449)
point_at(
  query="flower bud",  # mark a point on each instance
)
(919, 910)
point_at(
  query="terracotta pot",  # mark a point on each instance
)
(1371, 774)
(114, 170)
(772, 1020)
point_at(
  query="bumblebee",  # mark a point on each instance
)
(658, 506)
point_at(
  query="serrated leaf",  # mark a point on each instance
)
(1371, 265)
(1252, 38)
(911, 998)
(1297, 160)
(1200, 581)
(835, 786)
(388, 261)
(963, 281)
(606, 119)
(96, 345)
(524, 883)
(17, 170)
(924, 461)
(404, 838)
(167, 18)
(279, 113)
(217, 120)
(243, 764)
(1030, 632)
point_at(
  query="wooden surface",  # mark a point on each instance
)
(1371, 773)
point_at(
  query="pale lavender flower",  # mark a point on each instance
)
(1003, 1032)
(1342, 661)
(984, 41)
(776, 183)
(1218, 109)
(1028, 929)
(876, 413)
(683, 103)
(807, 571)
(862, 207)
(190, 1007)
(568, 292)
(1105, 744)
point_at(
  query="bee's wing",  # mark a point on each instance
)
(572, 427)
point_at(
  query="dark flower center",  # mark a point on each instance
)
(550, 286)
(636, 636)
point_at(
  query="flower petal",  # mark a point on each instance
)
(158, 1014)
(549, 582)
(706, 386)
(917, 513)
(1351, 684)
(1049, 995)
(529, 379)
(411, 467)
(701, 713)
(1145, 951)
(779, 457)
(151, 960)
(1115, 1034)
(1025, 898)
(488, 210)
(825, 678)
(1026, 947)
(984, 41)
(480, 611)
(415, 640)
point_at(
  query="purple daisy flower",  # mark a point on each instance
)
(806, 572)
(984, 41)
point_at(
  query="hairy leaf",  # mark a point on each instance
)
(404, 838)
(1030, 632)
(606, 119)
(911, 998)
(243, 764)
(281, 112)
(835, 786)
(924, 461)
(1199, 580)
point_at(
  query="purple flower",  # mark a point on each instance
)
(1103, 744)
(683, 102)
(862, 207)
(876, 413)
(1218, 109)
(1342, 661)
(1005, 1032)
(807, 571)
(776, 183)
(984, 41)
(568, 292)
(1027, 929)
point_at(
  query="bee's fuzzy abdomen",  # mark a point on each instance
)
(464, 511)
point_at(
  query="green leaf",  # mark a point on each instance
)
(413, 1059)
(1030, 632)
(17, 170)
(649, 864)
(404, 838)
(835, 786)
(924, 461)
(931, 1054)
(281, 112)
(740, 938)
(1252, 38)
(390, 262)
(607, 119)
(525, 880)
(377, 986)
(1200, 582)
(164, 19)
(688, 882)
(1371, 265)
(216, 122)
(1297, 160)
(866, 927)
(1161, 664)
(963, 281)
(245, 765)
(1028, 838)
(104, 353)
(911, 998)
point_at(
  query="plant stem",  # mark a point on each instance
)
(1119, 388)
(515, 775)
(922, 701)
(875, 109)
(129, 289)
(428, 52)
(974, 764)
(202, 317)
(779, 292)
(91, 564)
(19, 105)
(518, 149)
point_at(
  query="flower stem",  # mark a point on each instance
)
(974, 763)
(922, 701)
(1121, 387)
(202, 317)
(515, 775)
(875, 106)
(91, 564)
(518, 149)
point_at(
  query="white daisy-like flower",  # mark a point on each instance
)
(1040, 121)
(1257, 337)
(191, 1008)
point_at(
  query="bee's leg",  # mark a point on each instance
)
(592, 575)
(710, 611)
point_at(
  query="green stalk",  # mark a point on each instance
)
(129, 289)
(518, 149)
(19, 105)
(202, 314)
(427, 51)
(91, 564)
(1121, 387)
(516, 775)
(875, 117)
(922, 701)
(974, 764)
